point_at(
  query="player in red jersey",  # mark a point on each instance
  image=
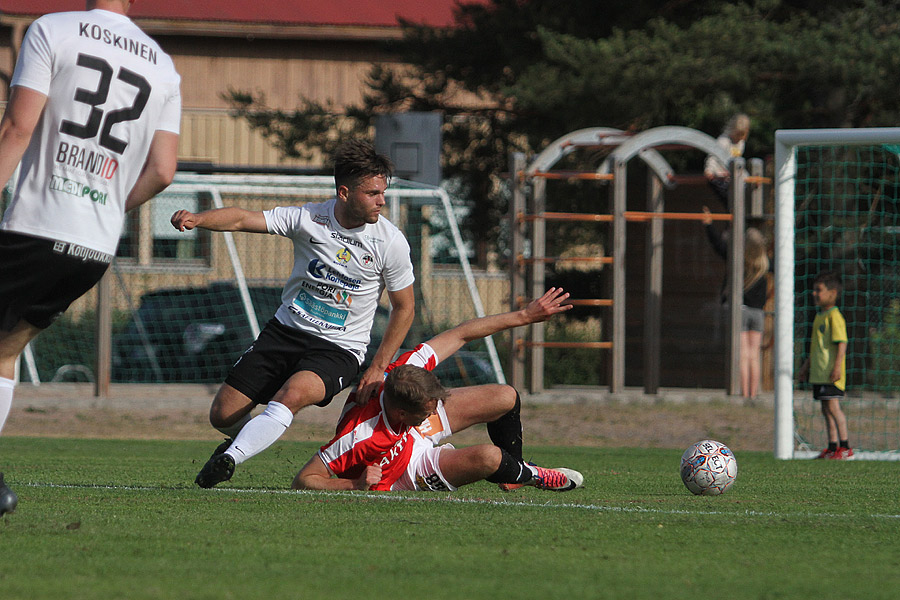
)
(393, 444)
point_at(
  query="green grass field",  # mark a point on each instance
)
(122, 519)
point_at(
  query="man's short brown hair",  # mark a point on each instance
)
(356, 160)
(409, 387)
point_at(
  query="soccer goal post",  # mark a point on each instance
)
(837, 209)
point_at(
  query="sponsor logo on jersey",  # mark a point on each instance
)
(374, 240)
(345, 239)
(323, 220)
(343, 256)
(430, 426)
(394, 452)
(367, 260)
(319, 323)
(323, 290)
(86, 160)
(313, 240)
(320, 270)
(343, 298)
(76, 188)
(320, 310)
(102, 34)
(85, 254)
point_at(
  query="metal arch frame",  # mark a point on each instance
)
(669, 134)
(603, 136)
(628, 146)
(565, 145)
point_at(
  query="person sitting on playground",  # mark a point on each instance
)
(392, 444)
(732, 139)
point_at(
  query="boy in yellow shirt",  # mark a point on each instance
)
(826, 365)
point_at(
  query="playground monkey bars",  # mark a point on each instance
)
(528, 209)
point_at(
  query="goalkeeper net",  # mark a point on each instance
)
(839, 203)
(185, 305)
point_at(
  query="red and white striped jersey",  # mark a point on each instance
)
(364, 437)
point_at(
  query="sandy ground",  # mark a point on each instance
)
(563, 417)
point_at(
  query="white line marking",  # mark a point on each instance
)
(435, 497)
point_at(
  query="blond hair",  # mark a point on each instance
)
(739, 123)
(756, 258)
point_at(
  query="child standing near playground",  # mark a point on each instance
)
(825, 367)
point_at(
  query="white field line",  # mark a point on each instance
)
(447, 498)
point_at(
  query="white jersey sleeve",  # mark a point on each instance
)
(34, 70)
(109, 89)
(398, 272)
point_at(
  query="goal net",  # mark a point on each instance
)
(184, 305)
(838, 209)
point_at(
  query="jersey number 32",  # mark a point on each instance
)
(101, 122)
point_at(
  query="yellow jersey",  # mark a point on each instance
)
(829, 329)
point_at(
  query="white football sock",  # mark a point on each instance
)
(232, 430)
(6, 395)
(261, 432)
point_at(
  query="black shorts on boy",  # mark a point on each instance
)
(826, 391)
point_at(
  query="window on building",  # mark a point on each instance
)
(148, 238)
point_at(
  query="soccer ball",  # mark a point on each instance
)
(708, 468)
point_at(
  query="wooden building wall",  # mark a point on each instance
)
(282, 70)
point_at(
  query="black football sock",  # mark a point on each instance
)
(845, 443)
(506, 432)
(510, 470)
(832, 446)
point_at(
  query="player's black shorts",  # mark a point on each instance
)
(40, 278)
(825, 391)
(279, 352)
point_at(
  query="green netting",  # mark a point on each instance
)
(848, 221)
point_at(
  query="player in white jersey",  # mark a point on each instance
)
(393, 444)
(345, 255)
(93, 115)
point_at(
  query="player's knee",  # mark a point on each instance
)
(300, 391)
(218, 419)
(507, 397)
(228, 407)
(295, 399)
(489, 457)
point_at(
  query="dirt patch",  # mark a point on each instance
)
(672, 419)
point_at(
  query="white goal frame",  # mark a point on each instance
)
(786, 143)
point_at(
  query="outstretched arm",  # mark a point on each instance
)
(315, 476)
(540, 309)
(221, 219)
